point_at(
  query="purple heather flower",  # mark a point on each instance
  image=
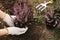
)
(22, 11)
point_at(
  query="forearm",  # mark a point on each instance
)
(2, 14)
(3, 32)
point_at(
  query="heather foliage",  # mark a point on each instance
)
(53, 18)
(22, 11)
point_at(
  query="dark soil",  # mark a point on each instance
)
(36, 31)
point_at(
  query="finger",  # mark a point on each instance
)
(9, 21)
(13, 17)
(22, 29)
(19, 33)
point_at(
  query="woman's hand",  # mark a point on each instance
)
(9, 20)
(16, 30)
(13, 31)
(6, 18)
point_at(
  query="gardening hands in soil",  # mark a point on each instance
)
(14, 30)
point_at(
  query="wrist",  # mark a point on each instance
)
(6, 31)
(8, 20)
(3, 32)
(2, 14)
(5, 16)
